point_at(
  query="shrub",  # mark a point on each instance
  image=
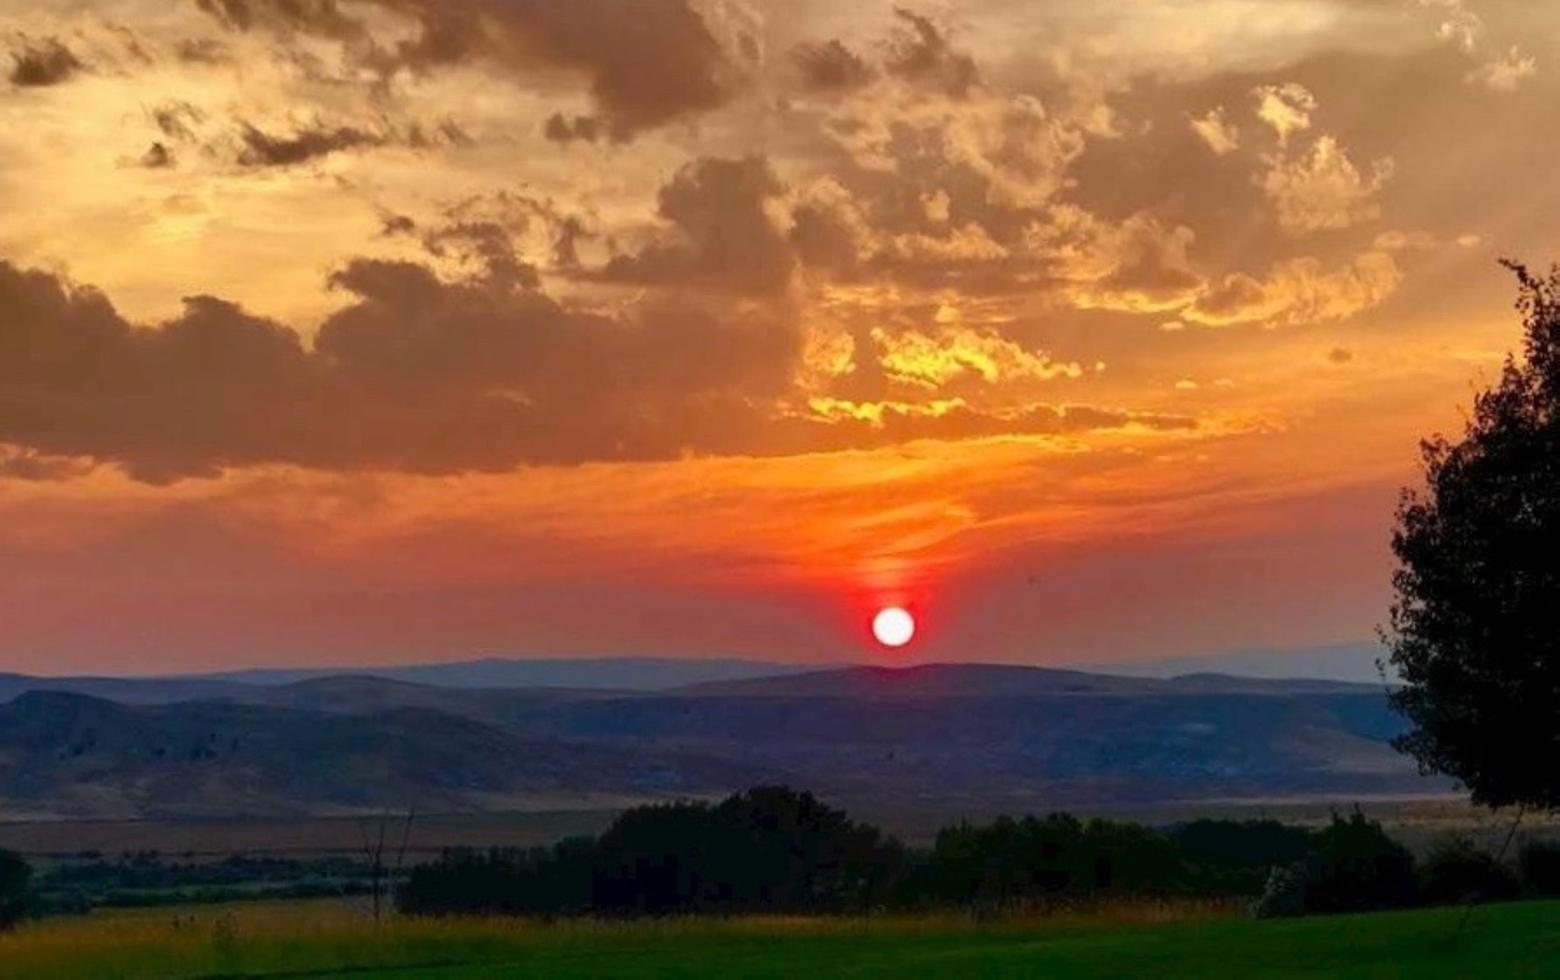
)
(1354, 865)
(1238, 857)
(1539, 863)
(1455, 871)
(15, 889)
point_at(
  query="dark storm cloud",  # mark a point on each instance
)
(831, 66)
(648, 62)
(41, 63)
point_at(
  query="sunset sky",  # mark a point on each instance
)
(350, 332)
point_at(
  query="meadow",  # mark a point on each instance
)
(332, 937)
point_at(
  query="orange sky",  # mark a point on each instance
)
(396, 330)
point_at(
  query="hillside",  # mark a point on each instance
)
(952, 735)
(69, 755)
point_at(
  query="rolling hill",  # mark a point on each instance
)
(941, 734)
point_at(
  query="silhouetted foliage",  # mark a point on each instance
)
(15, 889)
(1456, 870)
(1230, 857)
(768, 849)
(774, 850)
(147, 878)
(1020, 861)
(1539, 866)
(1475, 630)
(1353, 865)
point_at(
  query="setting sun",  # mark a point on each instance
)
(893, 627)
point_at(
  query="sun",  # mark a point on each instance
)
(893, 627)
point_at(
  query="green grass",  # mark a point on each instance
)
(331, 939)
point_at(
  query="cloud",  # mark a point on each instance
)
(157, 157)
(837, 423)
(723, 231)
(414, 373)
(262, 149)
(425, 375)
(316, 16)
(25, 464)
(563, 129)
(1504, 72)
(1458, 24)
(1296, 291)
(831, 67)
(176, 119)
(923, 55)
(1286, 108)
(933, 360)
(647, 62)
(1323, 189)
(42, 63)
(1137, 265)
(1220, 136)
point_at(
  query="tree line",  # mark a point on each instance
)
(775, 850)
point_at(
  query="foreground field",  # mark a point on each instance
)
(327, 939)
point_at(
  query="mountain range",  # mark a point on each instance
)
(936, 734)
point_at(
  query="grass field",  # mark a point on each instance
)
(324, 939)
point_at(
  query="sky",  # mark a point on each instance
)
(340, 332)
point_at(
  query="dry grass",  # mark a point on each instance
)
(1177, 939)
(262, 937)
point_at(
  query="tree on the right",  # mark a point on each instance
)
(1475, 625)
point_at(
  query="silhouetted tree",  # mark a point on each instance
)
(15, 888)
(769, 849)
(1354, 865)
(1475, 629)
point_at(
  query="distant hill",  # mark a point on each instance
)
(69, 755)
(999, 680)
(126, 690)
(604, 673)
(1342, 662)
(943, 734)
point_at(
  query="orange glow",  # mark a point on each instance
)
(1040, 330)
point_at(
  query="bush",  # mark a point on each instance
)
(1539, 864)
(1238, 857)
(1355, 866)
(15, 889)
(1455, 871)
